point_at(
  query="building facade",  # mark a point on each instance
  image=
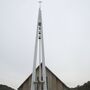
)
(53, 82)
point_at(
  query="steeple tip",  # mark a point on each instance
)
(40, 2)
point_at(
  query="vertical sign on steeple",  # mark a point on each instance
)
(39, 45)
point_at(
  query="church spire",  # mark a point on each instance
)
(39, 45)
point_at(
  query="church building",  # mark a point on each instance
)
(53, 82)
(41, 78)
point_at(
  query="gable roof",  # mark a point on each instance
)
(56, 77)
(50, 72)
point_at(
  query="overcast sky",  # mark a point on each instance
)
(66, 25)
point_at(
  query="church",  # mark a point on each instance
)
(53, 82)
(42, 78)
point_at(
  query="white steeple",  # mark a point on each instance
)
(39, 45)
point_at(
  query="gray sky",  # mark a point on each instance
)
(66, 37)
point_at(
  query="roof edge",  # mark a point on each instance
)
(50, 72)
